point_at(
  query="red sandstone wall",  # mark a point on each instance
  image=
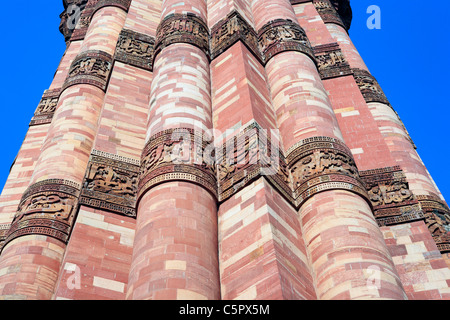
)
(423, 271)
(185, 244)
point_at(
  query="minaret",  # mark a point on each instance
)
(208, 150)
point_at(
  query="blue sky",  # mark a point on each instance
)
(407, 56)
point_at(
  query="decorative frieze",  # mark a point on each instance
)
(437, 220)
(111, 184)
(177, 155)
(390, 196)
(135, 49)
(331, 61)
(248, 156)
(283, 35)
(328, 12)
(4, 229)
(46, 108)
(369, 86)
(90, 67)
(47, 208)
(182, 28)
(313, 165)
(230, 30)
(322, 163)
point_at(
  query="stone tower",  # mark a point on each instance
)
(207, 149)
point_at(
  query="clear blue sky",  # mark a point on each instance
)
(407, 56)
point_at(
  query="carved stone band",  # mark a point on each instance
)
(437, 220)
(283, 35)
(390, 196)
(176, 155)
(230, 30)
(248, 156)
(322, 163)
(369, 86)
(313, 165)
(135, 49)
(46, 108)
(111, 183)
(331, 61)
(47, 208)
(182, 28)
(90, 67)
(327, 12)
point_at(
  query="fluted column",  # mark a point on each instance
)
(175, 249)
(31, 260)
(342, 238)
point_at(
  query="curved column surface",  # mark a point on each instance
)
(31, 260)
(175, 252)
(305, 115)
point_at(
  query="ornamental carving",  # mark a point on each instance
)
(182, 28)
(331, 61)
(4, 228)
(251, 154)
(394, 192)
(111, 183)
(46, 108)
(312, 166)
(320, 164)
(327, 12)
(177, 155)
(47, 208)
(230, 30)
(91, 67)
(390, 196)
(135, 49)
(437, 220)
(369, 86)
(283, 35)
